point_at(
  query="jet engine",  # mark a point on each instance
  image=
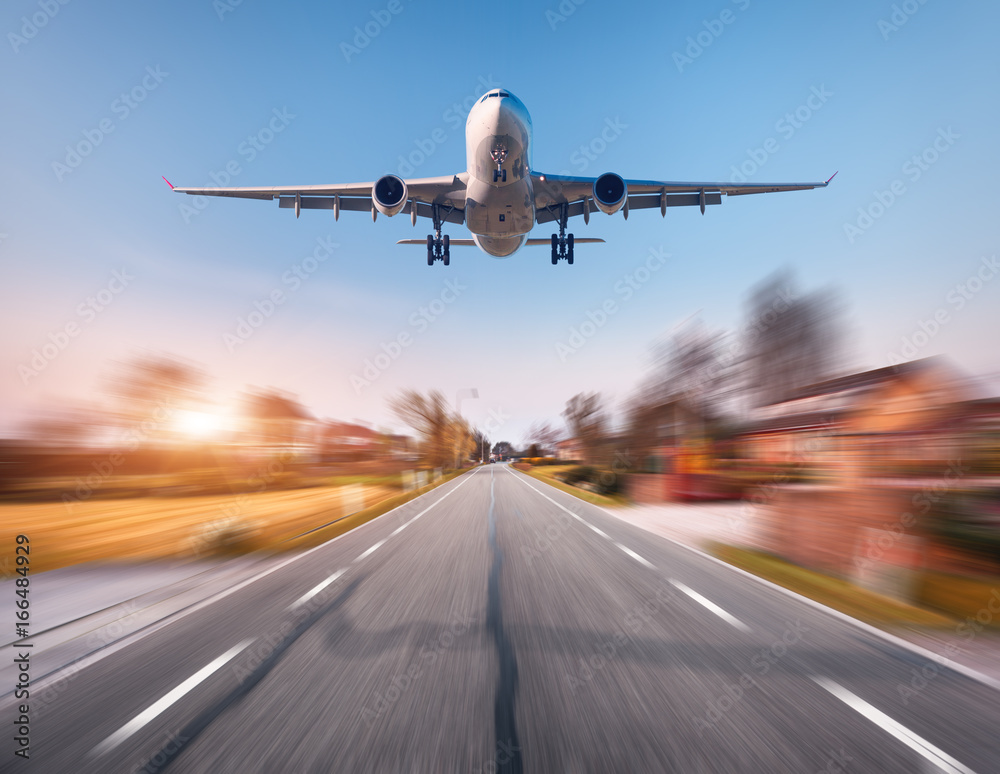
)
(389, 195)
(610, 193)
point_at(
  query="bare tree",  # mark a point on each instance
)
(66, 428)
(587, 422)
(148, 391)
(543, 437)
(791, 340)
(440, 434)
(691, 366)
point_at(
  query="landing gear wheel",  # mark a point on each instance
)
(562, 243)
(438, 246)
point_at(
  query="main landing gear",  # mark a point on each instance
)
(438, 247)
(562, 243)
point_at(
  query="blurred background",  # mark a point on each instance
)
(187, 378)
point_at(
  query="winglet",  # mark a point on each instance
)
(826, 183)
(168, 183)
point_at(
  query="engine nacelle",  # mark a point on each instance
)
(389, 195)
(610, 193)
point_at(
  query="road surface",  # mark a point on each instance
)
(497, 624)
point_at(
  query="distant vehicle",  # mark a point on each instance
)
(499, 197)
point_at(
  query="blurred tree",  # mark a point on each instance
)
(66, 428)
(479, 445)
(587, 422)
(543, 437)
(790, 340)
(503, 449)
(148, 390)
(690, 367)
(440, 433)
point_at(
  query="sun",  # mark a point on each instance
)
(198, 424)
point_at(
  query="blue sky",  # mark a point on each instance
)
(284, 95)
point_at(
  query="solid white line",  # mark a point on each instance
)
(635, 556)
(920, 745)
(447, 494)
(539, 491)
(158, 707)
(599, 532)
(580, 519)
(710, 605)
(315, 590)
(370, 551)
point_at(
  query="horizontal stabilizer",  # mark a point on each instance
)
(452, 243)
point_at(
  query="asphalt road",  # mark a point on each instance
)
(497, 624)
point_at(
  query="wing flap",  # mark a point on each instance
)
(447, 191)
(551, 191)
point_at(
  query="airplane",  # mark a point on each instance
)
(499, 197)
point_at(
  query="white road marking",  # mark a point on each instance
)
(557, 505)
(403, 526)
(916, 743)
(599, 532)
(113, 648)
(370, 551)
(315, 590)
(635, 556)
(925, 653)
(580, 519)
(158, 707)
(710, 605)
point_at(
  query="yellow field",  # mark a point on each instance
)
(179, 527)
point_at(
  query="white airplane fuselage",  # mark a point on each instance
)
(500, 204)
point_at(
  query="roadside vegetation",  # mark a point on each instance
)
(192, 527)
(580, 481)
(838, 594)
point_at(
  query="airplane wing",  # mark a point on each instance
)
(553, 191)
(422, 193)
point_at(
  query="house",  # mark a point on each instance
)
(569, 449)
(347, 442)
(277, 423)
(889, 420)
(860, 461)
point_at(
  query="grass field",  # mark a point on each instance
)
(140, 528)
(854, 601)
